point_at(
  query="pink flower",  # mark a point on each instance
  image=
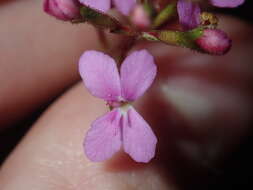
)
(124, 6)
(226, 3)
(189, 12)
(122, 126)
(62, 9)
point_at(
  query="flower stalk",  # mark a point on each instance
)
(176, 38)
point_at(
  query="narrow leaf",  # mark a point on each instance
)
(100, 19)
(166, 14)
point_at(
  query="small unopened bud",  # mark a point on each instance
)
(140, 18)
(62, 9)
(214, 41)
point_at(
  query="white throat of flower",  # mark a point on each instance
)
(124, 108)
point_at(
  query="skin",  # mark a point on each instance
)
(41, 58)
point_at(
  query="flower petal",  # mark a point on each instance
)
(139, 141)
(101, 5)
(104, 137)
(227, 3)
(137, 72)
(100, 75)
(189, 14)
(124, 6)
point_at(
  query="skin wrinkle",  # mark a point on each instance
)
(60, 181)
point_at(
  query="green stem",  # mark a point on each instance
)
(102, 38)
(149, 8)
(125, 47)
(165, 15)
(176, 38)
(104, 21)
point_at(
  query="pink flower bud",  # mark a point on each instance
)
(214, 41)
(62, 9)
(140, 18)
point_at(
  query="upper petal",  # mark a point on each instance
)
(137, 72)
(100, 75)
(102, 5)
(124, 6)
(188, 13)
(139, 141)
(104, 137)
(227, 3)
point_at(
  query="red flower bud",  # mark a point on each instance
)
(62, 9)
(214, 41)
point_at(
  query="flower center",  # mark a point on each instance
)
(123, 105)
